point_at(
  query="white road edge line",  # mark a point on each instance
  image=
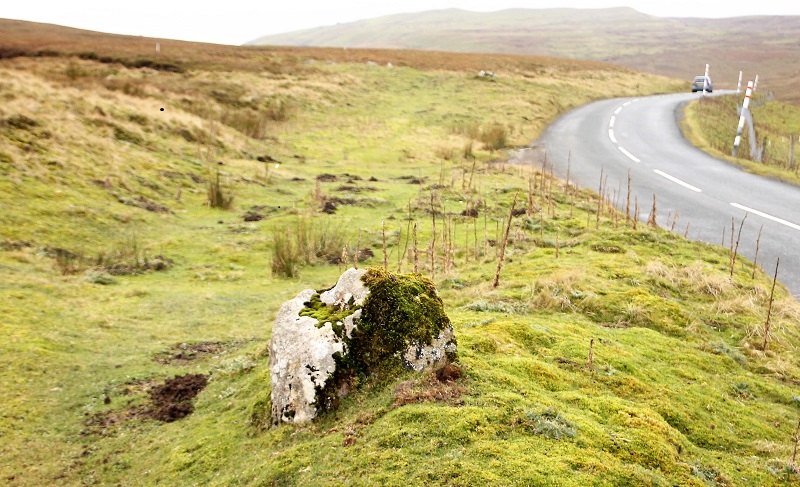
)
(678, 181)
(611, 136)
(768, 217)
(630, 156)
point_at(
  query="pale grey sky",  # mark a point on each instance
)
(239, 21)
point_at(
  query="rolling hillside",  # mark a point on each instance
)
(158, 207)
(677, 47)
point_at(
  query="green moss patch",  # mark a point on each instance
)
(399, 310)
(323, 313)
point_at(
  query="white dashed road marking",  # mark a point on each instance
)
(767, 216)
(678, 181)
(630, 156)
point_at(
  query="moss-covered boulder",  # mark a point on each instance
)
(370, 327)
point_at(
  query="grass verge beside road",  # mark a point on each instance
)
(710, 124)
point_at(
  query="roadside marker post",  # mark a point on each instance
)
(705, 81)
(739, 83)
(755, 83)
(746, 104)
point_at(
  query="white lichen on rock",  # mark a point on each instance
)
(301, 359)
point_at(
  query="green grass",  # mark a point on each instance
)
(623, 36)
(711, 124)
(678, 391)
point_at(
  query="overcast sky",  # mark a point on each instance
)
(239, 21)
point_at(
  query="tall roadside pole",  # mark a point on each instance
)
(746, 104)
(705, 81)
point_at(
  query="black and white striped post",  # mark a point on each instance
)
(746, 104)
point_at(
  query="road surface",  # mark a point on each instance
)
(642, 135)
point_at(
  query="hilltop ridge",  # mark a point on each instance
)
(677, 47)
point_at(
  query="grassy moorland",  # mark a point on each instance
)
(711, 123)
(764, 45)
(152, 213)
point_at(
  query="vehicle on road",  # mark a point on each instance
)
(701, 81)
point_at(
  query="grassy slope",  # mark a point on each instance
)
(678, 391)
(675, 47)
(711, 124)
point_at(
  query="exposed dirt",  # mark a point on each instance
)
(365, 254)
(259, 212)
(440, 386)
(448, 373)
(145, 204)
(173, 399)
(329, 207)
(168, 402)
(157, 263)
(252, 216)
(104, 423)
(183, 353)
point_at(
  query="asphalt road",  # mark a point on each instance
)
(642, 135)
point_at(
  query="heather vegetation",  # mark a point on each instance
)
(145, 252)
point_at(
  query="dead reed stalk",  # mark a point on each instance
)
(385, 255)
(472, 171)
(769, 310)
(358, 248)
(628, 201)
(433, 239)
(505, 242)
(651, 220)
(755, 259)
(736, 248)
(416, 251)
(599, 201)
(675, 218)
(531, 184)
(556, 243)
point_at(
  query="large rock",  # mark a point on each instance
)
(369, 326)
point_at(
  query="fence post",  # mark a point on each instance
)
(746, 104)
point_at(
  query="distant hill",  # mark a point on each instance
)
(678, 47)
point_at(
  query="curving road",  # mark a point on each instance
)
(641, 135)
